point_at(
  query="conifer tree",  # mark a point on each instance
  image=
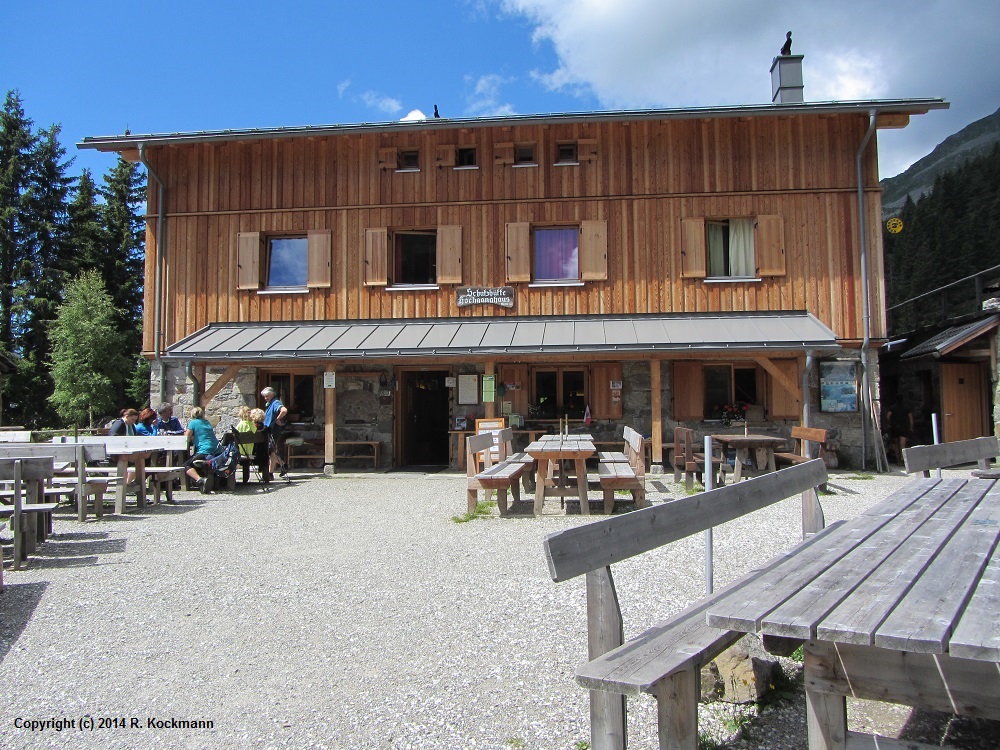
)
(87, 359)
(86, 232)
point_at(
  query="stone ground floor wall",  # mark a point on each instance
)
(366, 406)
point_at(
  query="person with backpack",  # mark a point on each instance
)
(202, 437)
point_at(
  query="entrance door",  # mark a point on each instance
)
(963, 401)
(423, 418)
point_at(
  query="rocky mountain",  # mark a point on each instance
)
(971, 141)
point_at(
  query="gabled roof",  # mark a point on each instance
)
(888, 113)
(472, 337)
(952, 338)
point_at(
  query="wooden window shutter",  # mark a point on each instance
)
(586, 149)
(694, 254)
(519, 251)
(769, 241)
(387, 158)
(444, 156)
(319, 260)
(248, 252)
(688, 388)
(503, 153)
(602, 405)
(594, 250)
(782, 403)
(449, 254)
(376, 257)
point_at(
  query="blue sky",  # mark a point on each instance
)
(100, 66)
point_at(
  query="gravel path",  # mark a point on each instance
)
(345, 612)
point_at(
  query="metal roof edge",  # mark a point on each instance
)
(881, 106)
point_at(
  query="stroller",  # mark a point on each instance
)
(221, 467)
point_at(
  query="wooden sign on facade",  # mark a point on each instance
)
(502, 296)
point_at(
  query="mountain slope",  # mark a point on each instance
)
(976, 139)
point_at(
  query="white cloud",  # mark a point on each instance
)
(342, 87)
(676, 53)
(485, 95)
(381, 102)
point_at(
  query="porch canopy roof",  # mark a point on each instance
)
(950, 339)
(505, 336)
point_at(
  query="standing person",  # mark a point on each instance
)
(201, 435)
(274, 420)
(260, 452)
(167, 423)
(900, 420)
(125, 425)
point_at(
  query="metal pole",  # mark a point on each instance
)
(709, 586)
(937, 435)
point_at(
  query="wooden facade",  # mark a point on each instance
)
(642, 185)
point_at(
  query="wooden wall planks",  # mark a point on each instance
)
(646, 176)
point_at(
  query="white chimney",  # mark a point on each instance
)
(786, 79)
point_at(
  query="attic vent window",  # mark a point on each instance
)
(465, 157)
(408, 160)
(566, 153)
(524, 155)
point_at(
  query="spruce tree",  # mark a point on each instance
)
(86, 231)
(87, 359)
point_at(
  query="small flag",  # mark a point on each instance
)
(586, 416)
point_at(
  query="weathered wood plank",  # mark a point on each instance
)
(576, 551)
(926, 457)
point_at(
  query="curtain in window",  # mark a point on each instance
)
(741, 247)
(557, 254)
(717, 250)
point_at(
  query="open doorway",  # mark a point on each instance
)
(423, 418)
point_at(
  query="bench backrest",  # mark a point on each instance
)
(486, 449)
(805, 435)
(683, 438)
(925, 457)
(62, 452)
(579, 550)
(635, 451)
(31, 468)
(131, 443)
(15, 436)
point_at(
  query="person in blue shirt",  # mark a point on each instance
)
(145, 424)
(167, 423)
(275, 414)
(201, 435)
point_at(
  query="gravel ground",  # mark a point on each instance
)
(352, 612)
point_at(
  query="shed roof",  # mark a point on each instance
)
(498, 337)
(952, 338)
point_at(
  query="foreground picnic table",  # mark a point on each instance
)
(900, 604)
(552, 448)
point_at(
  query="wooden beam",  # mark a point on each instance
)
(656, 407)
(891, 121)
(219, 384)
(330, 425)
(491, 407)
(789, 385)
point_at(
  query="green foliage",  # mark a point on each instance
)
(87, 356)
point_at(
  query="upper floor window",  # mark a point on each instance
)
(404, 258)
(557, 254)
(732, 248)
(566, 153)
(524, 154)
(465, 157)
(287, 262)
(281, 262)
(408, 159)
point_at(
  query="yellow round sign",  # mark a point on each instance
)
(894, 225)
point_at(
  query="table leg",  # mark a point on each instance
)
(770, 460)
(541, 476)
(140, 477)
(581, 482)
(120, 489)
(741, 456)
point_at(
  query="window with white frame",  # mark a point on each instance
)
(556, 253)
(730, 247)
(414, 258)
(287, 262)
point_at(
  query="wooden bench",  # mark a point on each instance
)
(802, 451)
(502, 475)
(980, 451)
(628, 475)
(691, 462)
(666, 659)
(161, 478)
(30, 518)
(374, 445)
(75, 476)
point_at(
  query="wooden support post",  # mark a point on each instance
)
(491, 407)
(677, 710)
(657, 409)
(330, 426)
(604, 632)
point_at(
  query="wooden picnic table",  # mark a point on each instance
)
(754, 453)
(555, 448)
(899, 604)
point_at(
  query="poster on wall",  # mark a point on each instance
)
(838, 386)
(468, 389)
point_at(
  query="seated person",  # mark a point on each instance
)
(145, 424)
(167, 423)
(245, 425)
(201, 435)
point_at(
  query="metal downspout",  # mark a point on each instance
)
(806, 400)
(195, 383)
(158, 274)
(865, 302)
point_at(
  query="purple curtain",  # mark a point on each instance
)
(557, 254)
